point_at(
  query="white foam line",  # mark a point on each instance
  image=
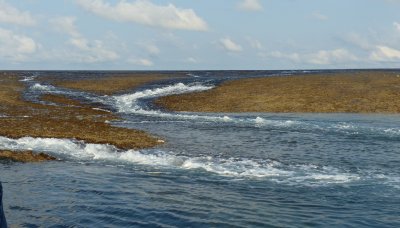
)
(40, 87)
(192, 75)
(390, 180)
(129, 103)
(101, 109)
(230, 167)
(29, 78)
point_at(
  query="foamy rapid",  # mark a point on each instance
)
(129, 103)
(192, 75)
(230, 167)
(28, 78)
(40, 87)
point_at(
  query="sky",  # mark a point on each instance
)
(199, 34)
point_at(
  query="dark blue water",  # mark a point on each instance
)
(215, 170)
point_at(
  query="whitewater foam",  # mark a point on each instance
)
(344, 126)
(192, 75)
(28, 78)
(391, 180)
(40, 87)
(129, 103)
(259, 121)
(230, 167)
(392, 131)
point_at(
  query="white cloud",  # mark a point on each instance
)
(92, 52)
(250, 5)
(150, 48)
(65, 25)
(397, 26)
(295, 57)
(153, 49)
(10, 14)
(85, 51)
(229, 45)
(385, 54)
(320, 16)
(325, 57)
(80, 43)
(146, 13)
(322, 57)
(16, 47)
(141, 62)
(358, 40)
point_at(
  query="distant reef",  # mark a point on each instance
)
(24, 156)
(358, 92)
(67, 118)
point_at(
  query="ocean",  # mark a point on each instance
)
(215, 169)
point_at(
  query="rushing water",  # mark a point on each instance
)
(215, 170)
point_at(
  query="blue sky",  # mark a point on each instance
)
(199, 34)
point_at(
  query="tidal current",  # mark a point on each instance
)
(215, 169)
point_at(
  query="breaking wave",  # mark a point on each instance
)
(129, 103)
(229, 167)
(28, 78)
(40, 87)
(192, 75)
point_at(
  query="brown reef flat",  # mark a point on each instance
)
(360, 92)
(24, 156)
(70, 120)
(111, 84)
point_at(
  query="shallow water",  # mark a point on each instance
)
(214, 170)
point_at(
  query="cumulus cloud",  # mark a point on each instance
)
(146, 13)
(65, 25)
(230, 45)
(358, 41)
(250, 5)
(141, 62)
(385, 54)
(16, 47)
(12, 15)
(150, 48)
(325, 57)
(92, 52)
(397, 26)
(295, 57)
(322, 57)
(85, 51)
